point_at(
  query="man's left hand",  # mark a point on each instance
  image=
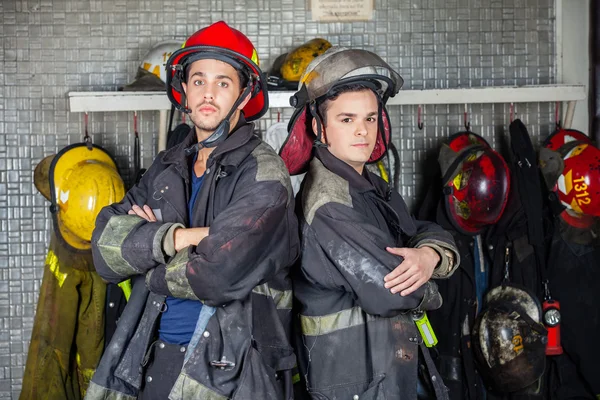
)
(416, 269)
(144, 212)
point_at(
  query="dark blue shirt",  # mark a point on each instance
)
(178, 322)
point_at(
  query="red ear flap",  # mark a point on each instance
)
(381, 146)
(297, 150)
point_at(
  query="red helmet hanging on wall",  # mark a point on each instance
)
(578, 183)
(220, 42)
(476, 182)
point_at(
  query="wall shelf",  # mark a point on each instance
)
(158, 101)
(479, 95)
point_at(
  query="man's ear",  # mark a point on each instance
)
(184, 86)
(314, 128)
(246, 100)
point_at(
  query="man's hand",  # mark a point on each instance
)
(144, 212)
(185, 237)
(414, 271)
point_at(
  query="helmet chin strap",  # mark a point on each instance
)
(381, 131)
(312, 106)
(220, 134)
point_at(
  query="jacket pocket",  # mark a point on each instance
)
(257, 380)
(361, 391)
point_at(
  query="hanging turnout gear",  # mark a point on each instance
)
(151, 74)
(81, 182)
(463, 293)
(531, 187)
(476, 182)
(219, 42)
(68, 332)
(569, 169)
(336, 68)
(509, 338)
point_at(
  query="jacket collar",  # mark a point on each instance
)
(362, 183)
(240, 135)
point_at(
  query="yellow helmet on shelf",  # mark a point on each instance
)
(296, 61)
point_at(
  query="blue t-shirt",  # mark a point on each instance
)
(178, 322)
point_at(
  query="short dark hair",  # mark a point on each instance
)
(324, 104)
(243, 76)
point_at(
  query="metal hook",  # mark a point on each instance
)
(466, 123)
(135, 130)
(557, 114)
(87, 139)
(419, 122)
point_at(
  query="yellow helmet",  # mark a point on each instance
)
(296, 61)
(83, 180)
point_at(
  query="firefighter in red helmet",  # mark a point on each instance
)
(207, 237)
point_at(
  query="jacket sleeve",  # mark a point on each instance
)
(249, 242)
(432, 235)
(349, 253)
(124, 245)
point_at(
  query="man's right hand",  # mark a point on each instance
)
(185, 237)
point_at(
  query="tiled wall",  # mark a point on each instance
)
(49, 48)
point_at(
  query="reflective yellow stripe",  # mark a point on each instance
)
(52, 263)
(126, 287)
(109, 244)
(316, 326)
(281, 298)
(382, 171)
(177, 281)
(186, 387)
(96, 391)
(87, 373)
(255, 57)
